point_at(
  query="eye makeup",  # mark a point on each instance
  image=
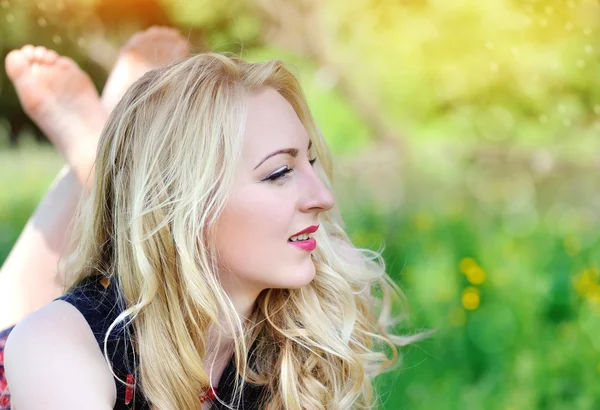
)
(284, 171)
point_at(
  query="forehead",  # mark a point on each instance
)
(271, 124)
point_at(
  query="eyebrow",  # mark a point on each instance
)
(290, 151)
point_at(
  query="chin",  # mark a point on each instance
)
(296, 279)
(302, 278)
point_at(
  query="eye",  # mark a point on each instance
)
(279, 174)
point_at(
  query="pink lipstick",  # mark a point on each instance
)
(310, 229)
(309, 244)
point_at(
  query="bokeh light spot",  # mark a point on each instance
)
(586, 284)
(471, 298)
(466, 264)
(474, 273)
(476, 276)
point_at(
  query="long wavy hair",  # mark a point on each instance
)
(164, 170)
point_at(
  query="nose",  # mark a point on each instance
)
(317, 196)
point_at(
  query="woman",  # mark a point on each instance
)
(209, 255)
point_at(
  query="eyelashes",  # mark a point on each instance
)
(284, 172)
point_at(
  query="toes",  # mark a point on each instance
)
(44, 56)
(16, 62)
(50, 57)
(28, 50)
(38, 53)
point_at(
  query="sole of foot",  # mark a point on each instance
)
(61, 99)
(146, 50)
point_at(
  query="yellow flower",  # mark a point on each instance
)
(593, 294)
(466, 264)
(471, 298)
(586, 283)
(474, 273)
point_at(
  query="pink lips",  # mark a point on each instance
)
(310, 229)
(309, 244)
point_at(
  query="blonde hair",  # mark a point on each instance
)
(164, 171)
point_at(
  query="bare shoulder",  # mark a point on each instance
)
(52, 361)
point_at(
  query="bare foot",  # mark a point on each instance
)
(61, 99)
(147, 50)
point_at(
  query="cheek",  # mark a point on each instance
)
(251, 231)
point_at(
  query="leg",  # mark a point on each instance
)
(145, 51)
(63, 102)
(61, 99)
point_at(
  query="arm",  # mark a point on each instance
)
(28, 277)
(52, 362)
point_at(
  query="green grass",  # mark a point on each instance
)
(515, 295)
(27, 174)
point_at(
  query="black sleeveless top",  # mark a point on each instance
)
(97, 300)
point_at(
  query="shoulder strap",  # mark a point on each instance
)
(97, 298)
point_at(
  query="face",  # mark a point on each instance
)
(276, 195)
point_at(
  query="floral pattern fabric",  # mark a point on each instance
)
(4, 393)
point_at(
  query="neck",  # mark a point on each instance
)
(221, 351)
